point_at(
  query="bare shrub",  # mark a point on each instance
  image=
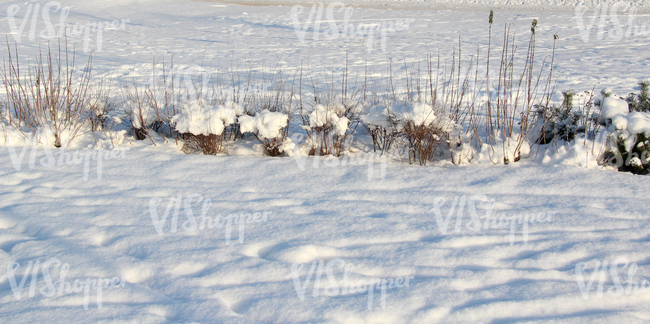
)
(50, 95)
(100, 106)
(207, 144)
(423, 141)
(140, 115)
(511, 120)
(150, 108)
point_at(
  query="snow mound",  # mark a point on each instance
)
(633, 123)
(377, 116)
(199, 119)
(418, 113)
(612, 107)
(266, 124)
(638, 123)
(323, 116)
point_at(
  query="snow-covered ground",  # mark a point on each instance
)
(221, 36)
(462, 5)
(380, 229)
(562, 244)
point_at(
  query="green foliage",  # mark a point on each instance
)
(561, 122)
(629, 152)
(641, 101)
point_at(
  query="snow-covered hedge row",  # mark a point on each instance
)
(198, 122)
(414, 130)
(421, 130)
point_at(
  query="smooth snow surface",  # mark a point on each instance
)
(221, 36)
(384, 228)
(263, 226)
(464, 5)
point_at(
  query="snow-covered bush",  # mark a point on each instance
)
(628, 144)
(425, 135)
(203, 126)
(150, 109)
(327, 127)
(270, 128)
(565, 121)
(382, 127)
(415, 125)
(235, 110)
(418, 129)
(611, 107)
(416, 122)
(99, 111)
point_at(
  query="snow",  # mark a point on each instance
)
(324, 116)
(200, 119)
(638, 123)
(385, 229)
(377, 115)
(613, 107)
(234, 238)
(631, 124)
(467, 5)
(418, 113)
(266, 124)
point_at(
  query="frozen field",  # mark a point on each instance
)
(245, 238)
